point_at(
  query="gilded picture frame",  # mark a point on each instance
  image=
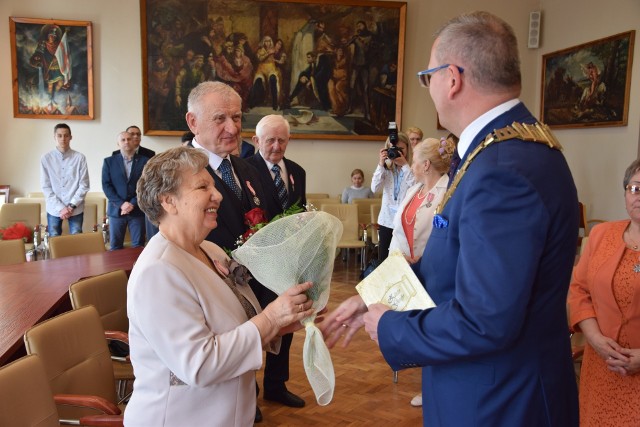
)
(52, 68)
(588, 85)
(333, 68)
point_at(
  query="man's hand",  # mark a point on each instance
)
(371, 319)
(126, 208)
(343, 322)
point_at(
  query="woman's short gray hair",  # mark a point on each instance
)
(633, 168)
(162, 175)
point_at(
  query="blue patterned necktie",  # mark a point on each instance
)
(280, 188)
(455, 161)
(227, 177)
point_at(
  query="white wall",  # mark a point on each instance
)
(597, 157)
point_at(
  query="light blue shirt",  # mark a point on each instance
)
(64, 179)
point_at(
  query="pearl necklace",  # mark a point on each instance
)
(418, 195)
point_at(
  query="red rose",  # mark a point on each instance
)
(254, 217)
(246, 235)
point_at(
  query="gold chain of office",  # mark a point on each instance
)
(538, 132)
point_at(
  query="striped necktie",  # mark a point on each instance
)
(280, 188)
(227, 177)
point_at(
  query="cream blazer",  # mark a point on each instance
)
(194, 353)
(424, 219)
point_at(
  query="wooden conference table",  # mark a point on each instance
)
(34, 291)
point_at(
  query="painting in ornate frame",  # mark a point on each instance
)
(333, 68)
(52, 68)
(589, 84)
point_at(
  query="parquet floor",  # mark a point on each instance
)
(365, 394)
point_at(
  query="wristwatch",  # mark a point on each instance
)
(71, 205)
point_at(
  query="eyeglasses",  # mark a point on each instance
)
(633, 189)
(424, 77)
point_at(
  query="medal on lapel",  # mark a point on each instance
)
(256, 200)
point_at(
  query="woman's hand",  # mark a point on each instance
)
(383, 156)
(401, 160)
(289, 308)
(608, 349)
(344, 321)
(630, 368)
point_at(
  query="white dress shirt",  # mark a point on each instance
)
(64, 179)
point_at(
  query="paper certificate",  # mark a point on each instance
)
(395, 285)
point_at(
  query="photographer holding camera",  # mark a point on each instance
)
(393, 174)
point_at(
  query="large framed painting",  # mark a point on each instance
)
(52, 69)
(588, 85)
(332, 68)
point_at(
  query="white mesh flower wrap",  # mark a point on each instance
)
(296, 249)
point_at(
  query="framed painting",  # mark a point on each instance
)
(588, 85)
(52, 69)
(332, 68)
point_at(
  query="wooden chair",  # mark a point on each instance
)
(317, 196)
(28, 213)
(76, 244)
(76, 360)
(323, 201)
(12, 252)
(348, 215)
(364, 209)
(26, 398)
(39, 200)
(108, 294)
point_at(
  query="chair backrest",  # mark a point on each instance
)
(317, 195)
(43, 206)
(76, 244)
(375, 211)
(25, 395)
(28, 213)
(76, 358)
(12, 252)
(348, 215)
(364, 209)
(323, 201)
(36, 194)
(108, 294)
(101, 205)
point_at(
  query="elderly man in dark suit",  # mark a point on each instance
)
(214, 116)
(272, 138)
(495, 350)
(120, 174)
(284, 183)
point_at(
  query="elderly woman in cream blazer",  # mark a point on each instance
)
(412, 223)
(196, 330)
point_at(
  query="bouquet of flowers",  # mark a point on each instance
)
(292, 250)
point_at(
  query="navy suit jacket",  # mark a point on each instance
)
(246, 149)
(117, 187)
(496, 349)
(296, 177)
(231, 211)
(144, 152)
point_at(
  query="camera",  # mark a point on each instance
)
(393, 152)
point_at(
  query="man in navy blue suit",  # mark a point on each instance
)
(120, 174)
(495, 350)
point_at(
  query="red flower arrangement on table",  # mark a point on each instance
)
(16, 231)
